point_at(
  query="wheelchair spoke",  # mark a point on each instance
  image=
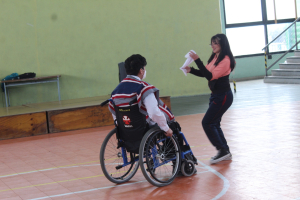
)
(162, 159)
(112, 160)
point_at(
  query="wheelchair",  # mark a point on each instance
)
(160, 157)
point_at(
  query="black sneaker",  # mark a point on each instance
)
(229, 158)
(222, 155)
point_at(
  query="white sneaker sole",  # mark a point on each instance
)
(226, 157)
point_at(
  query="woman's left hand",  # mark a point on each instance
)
(193, 55)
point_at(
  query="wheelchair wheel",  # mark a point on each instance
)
(159, 157)
(188, 168)
(111, 160)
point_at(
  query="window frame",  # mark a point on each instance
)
(265, 22)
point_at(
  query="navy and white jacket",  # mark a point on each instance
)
(131, 88)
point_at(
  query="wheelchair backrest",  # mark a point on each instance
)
(131, 125)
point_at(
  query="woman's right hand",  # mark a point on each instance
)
(187, 68)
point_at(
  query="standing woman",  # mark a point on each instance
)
(220, 64)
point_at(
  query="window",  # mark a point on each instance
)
(246, 40)
(285, 41)
(284, 9)
(241, 11)
(250, 25)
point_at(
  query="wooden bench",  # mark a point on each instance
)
(57, 116)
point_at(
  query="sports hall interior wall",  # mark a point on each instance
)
(85, 40)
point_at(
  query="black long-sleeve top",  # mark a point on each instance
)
(217, 85)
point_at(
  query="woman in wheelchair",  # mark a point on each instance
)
(144, 126)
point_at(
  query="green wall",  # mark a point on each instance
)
(84, 40)
(254, 66)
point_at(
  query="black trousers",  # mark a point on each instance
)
(218, 105)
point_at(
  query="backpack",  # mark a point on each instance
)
(13, 76)
(131, 127)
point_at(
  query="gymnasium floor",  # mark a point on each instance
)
(262, 129)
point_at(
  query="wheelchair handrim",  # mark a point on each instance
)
(160, 180)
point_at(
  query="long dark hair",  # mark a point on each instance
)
(225, 50)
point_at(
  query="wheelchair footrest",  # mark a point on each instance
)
(191, 157)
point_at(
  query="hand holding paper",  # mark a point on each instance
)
(188, 61)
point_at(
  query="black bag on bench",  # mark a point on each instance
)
(27, 75)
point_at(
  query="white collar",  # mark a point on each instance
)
(136, 77)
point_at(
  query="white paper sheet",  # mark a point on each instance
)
(188, 61)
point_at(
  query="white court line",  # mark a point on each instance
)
(209, 169)
(226, 182)
(201, 167)
(42, 170)
(65, 194)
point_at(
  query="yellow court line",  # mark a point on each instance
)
(69, 179)
(204, 159)
(202, 145)
(75, 179)
(71, 165)
(50, 183)
(48, 168)
(66, 180)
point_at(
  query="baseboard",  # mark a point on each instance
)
(246, 78)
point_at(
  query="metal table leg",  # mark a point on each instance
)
(5, 94)
(8, 97)
(58, 88)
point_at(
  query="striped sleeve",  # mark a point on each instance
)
(168, 114)
(111, 108)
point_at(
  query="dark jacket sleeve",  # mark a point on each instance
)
(196, 72)
(207, 74)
